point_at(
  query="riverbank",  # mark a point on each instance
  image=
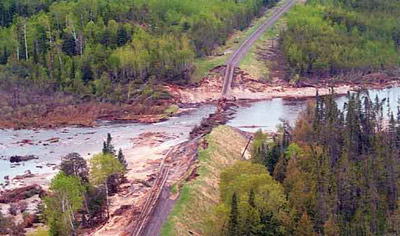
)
(247, 88)
(69, 112)
(144, 147)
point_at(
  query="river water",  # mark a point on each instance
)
(267, 115)
(88, 141)
(85, 141)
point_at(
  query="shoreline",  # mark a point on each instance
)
(190, 97)
(147, 151)
(42, 178)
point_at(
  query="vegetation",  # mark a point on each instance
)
(39, 232)
(108, 51)
(325, 37)
(73, 164)
(197, 196)
(252, 202)
(103, 167)
(336, 173)
(78, 197)
(67, 194)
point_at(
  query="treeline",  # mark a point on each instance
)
(110, 49)
(335, 173)
(326, 37)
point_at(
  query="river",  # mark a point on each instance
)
(88, 141)
(266, 115)
(85, 141)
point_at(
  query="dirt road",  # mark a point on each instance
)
(237, 56)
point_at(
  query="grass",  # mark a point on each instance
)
(174, 189)
(198, 196)
(258, 69)
(204, 65)
(171, 110)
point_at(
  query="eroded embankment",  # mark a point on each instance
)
(245, 87)
(221, 148)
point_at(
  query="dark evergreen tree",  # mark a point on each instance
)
(87, 73)
(4, 57)
(108, 148)
(121, 159)
(252, 202)
(69, 45)
(269, 225)
(233, 224)
(123, 37)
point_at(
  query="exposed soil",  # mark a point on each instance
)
(152, 139)
(69, 112)
(246, 88)
(19, 202)
(144, 160)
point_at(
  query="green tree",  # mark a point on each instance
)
(102, 167)
(64, 201)
(108, 148)
(233, 228)
(121, 159)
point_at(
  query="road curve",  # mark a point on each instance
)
(237, 56)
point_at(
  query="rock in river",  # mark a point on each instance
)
(16, 159)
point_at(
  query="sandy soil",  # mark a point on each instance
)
(245, 88)
(143, 159)
(40, 179)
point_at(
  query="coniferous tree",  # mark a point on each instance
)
(121, 159)
(108, 148)
(233, 228)
(252, 202)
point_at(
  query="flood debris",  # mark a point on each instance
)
(18, 194)
(225, 110)
(17, 159)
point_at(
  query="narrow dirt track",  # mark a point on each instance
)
(237, 56)
(152, 200)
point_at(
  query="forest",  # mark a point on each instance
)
(100, 47)
(57, 53)
(325, 37)
(335, 173)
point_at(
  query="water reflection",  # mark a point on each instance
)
(267, 115)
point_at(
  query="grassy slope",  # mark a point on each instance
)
(199, 196)
(250, 63)
(204, 65)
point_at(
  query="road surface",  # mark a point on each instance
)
(237, 56)
(148, 213)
